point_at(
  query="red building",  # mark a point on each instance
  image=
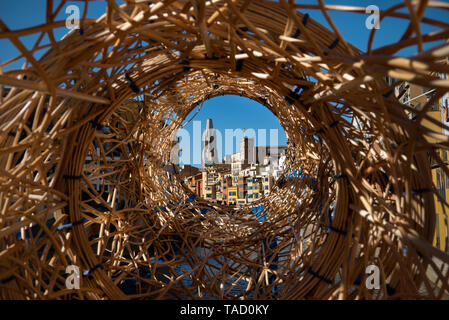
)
(242, 190)
(225, 184)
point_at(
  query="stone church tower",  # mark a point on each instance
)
(210, 152)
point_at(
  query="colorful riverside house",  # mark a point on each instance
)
(267, 184)
(257, 188)
(249, 186)
(242, 190)
(417, 97)
(219, 193)
(225, 184)
(232, 195)
(208, 179)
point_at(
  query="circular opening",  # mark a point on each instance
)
(221, 141)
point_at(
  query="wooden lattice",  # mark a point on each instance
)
(86, 133)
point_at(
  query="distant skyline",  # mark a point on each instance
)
(235, 112)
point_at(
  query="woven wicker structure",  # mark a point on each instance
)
(85, 139)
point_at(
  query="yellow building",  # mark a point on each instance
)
(257, 189)
(417, 97)
(232, 195)
(211, 179)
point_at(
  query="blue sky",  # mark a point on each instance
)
(235, 112)
(228, 111)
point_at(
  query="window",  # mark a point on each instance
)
(440, 184)
(435, 106)
(438, 232)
